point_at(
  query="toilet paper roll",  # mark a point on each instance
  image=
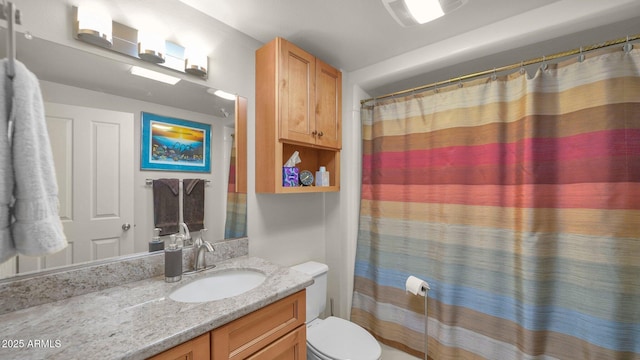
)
(416, 286)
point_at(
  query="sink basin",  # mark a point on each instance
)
(219, 286)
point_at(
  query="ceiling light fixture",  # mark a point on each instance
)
(222, 94)
(424, 11)
(414, 12)
(154, 75)
(94, 26)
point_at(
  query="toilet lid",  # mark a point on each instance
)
(341, 339)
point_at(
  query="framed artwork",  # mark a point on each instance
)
(174, 144)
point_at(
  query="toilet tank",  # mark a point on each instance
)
(317, 292)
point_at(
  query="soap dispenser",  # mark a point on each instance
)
(156, 244)
(173, 261)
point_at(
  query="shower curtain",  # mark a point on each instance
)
(517, 199)
(236, 221)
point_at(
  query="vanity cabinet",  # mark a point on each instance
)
(195, 349)
(298, 108)
(277, 331)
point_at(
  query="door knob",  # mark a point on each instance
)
(126, 227)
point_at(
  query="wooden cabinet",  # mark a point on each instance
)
(278, 328)
(292, 346)
(195, 349)
(277, 331)
(310, 93)
(298, 108)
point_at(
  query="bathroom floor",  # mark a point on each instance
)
(389, 353)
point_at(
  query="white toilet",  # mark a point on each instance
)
(332, 338)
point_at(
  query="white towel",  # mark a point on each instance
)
(36, 229)
(7, 247)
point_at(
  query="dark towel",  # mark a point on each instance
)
(166, 205)
(193, 203)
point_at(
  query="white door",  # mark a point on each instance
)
(93, 155)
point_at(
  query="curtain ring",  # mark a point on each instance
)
(522, 69)
(581, 55)
(544, 65)
(460, 83)
(628, 46)
(494, 76)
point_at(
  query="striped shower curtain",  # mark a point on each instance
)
(236, 221)
(517, 199)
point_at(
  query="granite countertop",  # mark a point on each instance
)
(136, 320)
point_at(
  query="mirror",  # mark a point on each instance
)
(82, 80)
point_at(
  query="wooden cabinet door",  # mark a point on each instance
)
(249, 334)
(195, 349)
(292, 346)
(297, 94)
(328, 105)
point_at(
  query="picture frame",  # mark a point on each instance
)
(171, 144)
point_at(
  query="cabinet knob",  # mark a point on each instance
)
(314, 132)
(320, 133)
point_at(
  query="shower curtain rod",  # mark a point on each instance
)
(542, 59)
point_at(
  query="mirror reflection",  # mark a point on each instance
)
(93, 108)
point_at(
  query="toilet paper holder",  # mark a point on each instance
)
(419, 287)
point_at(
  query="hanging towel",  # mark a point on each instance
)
(193, 203)
(7, 247)
(37, 229)
(166, 207)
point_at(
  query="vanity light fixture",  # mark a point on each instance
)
(94, 26)
(414, 12)
(222, 94)
(154, 75)
(196, 63)
(151, 48)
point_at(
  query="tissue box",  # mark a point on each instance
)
(290, 176)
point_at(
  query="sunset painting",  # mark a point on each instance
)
(174, 144)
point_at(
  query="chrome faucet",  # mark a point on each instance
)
(184, 234)
(200, 246)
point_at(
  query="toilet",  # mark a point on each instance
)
(332, 338)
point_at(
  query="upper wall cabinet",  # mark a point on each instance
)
(298, 108)
(310, 98)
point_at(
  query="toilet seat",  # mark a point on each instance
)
(337, 339)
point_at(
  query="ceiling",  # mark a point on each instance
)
(355, 34)
(352, 35)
